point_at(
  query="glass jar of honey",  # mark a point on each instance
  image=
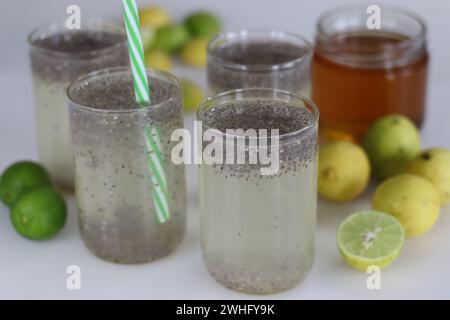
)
(361, 72)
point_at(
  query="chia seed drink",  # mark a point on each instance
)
(257, 232)
(117, 217)
(259, 59)
(59, 56)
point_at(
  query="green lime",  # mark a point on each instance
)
(170, 38)
(20, 177)
(192, 95)
(202, 24)
(39, 213)
(390, 143)
(369, 238)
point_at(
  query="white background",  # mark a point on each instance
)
(38, 269)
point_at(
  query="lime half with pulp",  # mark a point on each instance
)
(370, 238)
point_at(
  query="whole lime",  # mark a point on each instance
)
(20, 177)
(344, 171)
(390, 143)
(158, 59)
(434, 165)
(153, 16)
(201, 24)
(39, 213)
(170, 38)
(194, 52)
(413, 200)
(192, 95)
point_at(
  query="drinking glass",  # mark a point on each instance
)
(257, 230)
(259, 58)
(113, 183)
(58, 57)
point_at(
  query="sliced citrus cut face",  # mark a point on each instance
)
(369, 238)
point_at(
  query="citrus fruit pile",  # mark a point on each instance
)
(164, 39)
(37, 211)
(412, 188)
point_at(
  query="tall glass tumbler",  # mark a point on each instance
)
(117, 216)
(259, 59)
(58, 57)
(257, 231)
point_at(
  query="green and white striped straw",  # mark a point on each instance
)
(155, 160)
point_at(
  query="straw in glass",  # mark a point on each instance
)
(155, 160)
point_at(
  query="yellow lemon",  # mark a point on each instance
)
(413, 200)
(194, 52)
(344, 171)
(158, 59)
(434, 165)
(154, 17)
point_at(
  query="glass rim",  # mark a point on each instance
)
(242, 33)
(92, 24)
(120, 70)
(322, 36)
(308, 104)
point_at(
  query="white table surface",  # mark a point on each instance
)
(38, 269)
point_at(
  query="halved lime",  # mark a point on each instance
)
(369, 238)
